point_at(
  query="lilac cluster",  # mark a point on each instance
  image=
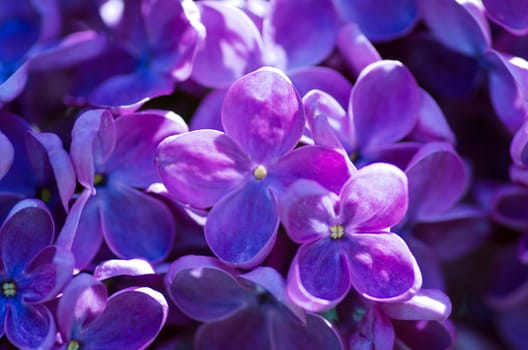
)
(264, 174)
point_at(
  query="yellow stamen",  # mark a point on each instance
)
(45, 194)
(9, 289)
(260, 172)
(99, 179)
(73, 345)
(337, 231)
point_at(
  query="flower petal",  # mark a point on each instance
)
(201, 166)
(14, 85)
(8, 152)
(30, 326)
(145, 229)
(117, 267)
(141, 313)
(30, 222)
(356, 49)
(426, 304)
(374, 198)
(232, 47)
(242, 227)
(508, 206)
(263, 112)
(204, 289)
(374, 331)
(509, 14)
(519, 146)
(307, 211)
(207, 115)
(382, 268)
(432, 335)
(384, 103)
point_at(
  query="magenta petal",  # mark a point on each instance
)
(508, 206)
(30, 326)
(204, 289)
(83, 300)
(263, 112)
(117, 267)
(511, 14)
(242, 227)
(93, 140)
(375, 198)
(432, 191)
(8, 152)
(384, 103)
(201, 166)
(141, 313)
(519, 146)
(232, 47)
(426, 304)
(382, 268)
(356, 49)
(29, 222)
(316, 20)
(207, 115)
(307, 211)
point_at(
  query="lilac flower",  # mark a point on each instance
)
(114, 161)
(32, 273)
(7, 151)
(510, 14)
(345, 239)
(241, 172)
(129, 319)
(243, 311)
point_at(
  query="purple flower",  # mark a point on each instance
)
(114, 161)
(32, 272)
(129, 319)
(510, 14)
(345, 239)
(240, 172)
(243, 311)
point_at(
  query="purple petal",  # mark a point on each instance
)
(325, 166)
(141, 313)
(519, 146)
(432, 124)
(117, 267)
(375, 198)
(432, 335)
(426, 304)
(287, 45)
(511, 325)
(59, 160)
(384, 103)
(356, 49)
(67, 233)
(8, 153)
(511, 14)
(201, 166)
(138, 135)
(307, 211)
(46, 275)
(380, 20)
(382, 268)
(374, 331)
(204, 289)
(263, 112)
(30, 326)
(398, 154)
(322, 78)
(93, 140)
(242, 227)
(319, 275)
(508, 206)
(432, 191)
(430, 266)
(13, 86)
(145, 229)
(30, 222)
(207, 115)
(232, 48)
(461, 26)
(83, 300)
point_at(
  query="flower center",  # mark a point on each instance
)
(9, 289)
(260, 172)
(99, 179)
(44, 194)
(73, 345)
(337, 231)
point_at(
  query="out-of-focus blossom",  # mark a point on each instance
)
(248, 310)
(510, 14)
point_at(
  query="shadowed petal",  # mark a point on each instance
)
(30, 326)
(201, 166)
(426, 304)
(432, 191)
(30, 222)
(145, 229)
(519, 146)
(384, 103)
(432, 124)
(141, 313)
(242, 227)
(374, 198)
(433, 335)
(263, 112)
(232, 48)
(511, 14)
(357, 50)
(322, 78)
(307, 211)
(13, 86)
(287, 43)
(374, 331)
(382, 267)
(207, 115)
(380, 20)
(509, 205)
(8, 152)
(204, 289)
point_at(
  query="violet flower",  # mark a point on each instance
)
(346, 242)
(510, 14)
(239, 173)
(114, 161)
(243, 311)
(129, 319)
(32, 273)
